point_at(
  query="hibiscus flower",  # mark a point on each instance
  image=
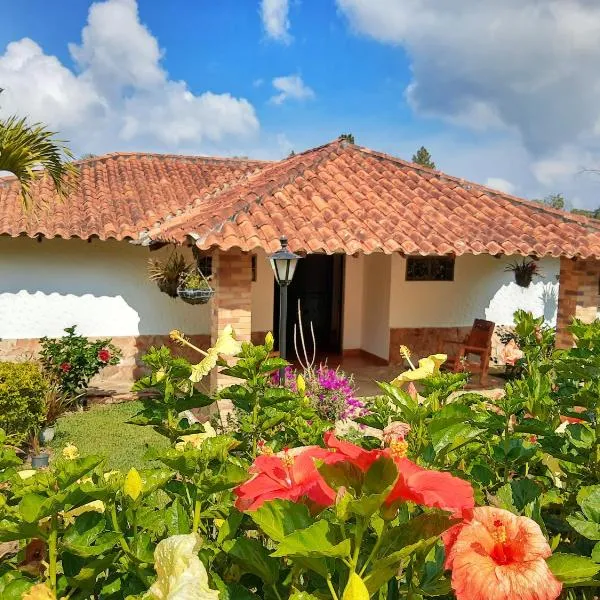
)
(436, 489)
(290, 475)
(511, 353)
(104, 355)
(345, 451)
(499, 556)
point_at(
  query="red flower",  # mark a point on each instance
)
(65, 367)
(104, 355)
(431, 488)
(499, 556)
(345, 451)
(289, 475)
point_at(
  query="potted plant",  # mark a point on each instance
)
(167, 274)
(55, 405)
(195, 288)
(39, 458)
(524, 271)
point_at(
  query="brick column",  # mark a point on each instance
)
(232, 302)
(578, 296)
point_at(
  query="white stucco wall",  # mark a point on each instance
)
(481, 289)
(262, 294)
(376, 304)
(353, 302)
(102, 287)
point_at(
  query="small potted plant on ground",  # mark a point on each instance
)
(55, 405)
(167, 274)
(195, 288)
(524, 271)
(39, 458)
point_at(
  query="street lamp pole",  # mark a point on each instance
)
(283, 263)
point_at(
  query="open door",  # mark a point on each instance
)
(318, 284)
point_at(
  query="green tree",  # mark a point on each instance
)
(28, 151)
(423, 158)
(347, 137)
(555, 201)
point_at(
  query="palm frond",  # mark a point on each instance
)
(29, 151)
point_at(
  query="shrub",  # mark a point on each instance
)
(73, 359)
(22, 391)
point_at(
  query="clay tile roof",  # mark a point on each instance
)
(118, 195)
(345, 198)
(337, 198)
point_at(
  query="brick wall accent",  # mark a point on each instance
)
(231, 304)
(423, 341)
(577, 297)
(118, 378)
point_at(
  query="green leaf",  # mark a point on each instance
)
(176, 519)
(382, 474)
(230, 526)
(596, 553)
(16, 588)
(589, 500)
(280, 518)
(253, 557)
(296, 595)
(342, 474)
(586, 528)
(517, 494)
(314, 541)
(572, 568)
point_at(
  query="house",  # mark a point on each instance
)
(396, 253)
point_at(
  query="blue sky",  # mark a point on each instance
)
(503, 94)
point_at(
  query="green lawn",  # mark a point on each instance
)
(103, 430)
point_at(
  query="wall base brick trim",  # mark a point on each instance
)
(423, 341)
(118, 378)
(360, 353)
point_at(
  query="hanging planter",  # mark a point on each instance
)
(167, 274)
(195, 288)
(524, 271)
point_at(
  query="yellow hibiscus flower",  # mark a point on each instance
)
(427, 367)
(181, 574)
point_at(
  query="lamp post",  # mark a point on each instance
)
(283, 263)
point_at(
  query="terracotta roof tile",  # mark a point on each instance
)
(118, 195)
(344, 198)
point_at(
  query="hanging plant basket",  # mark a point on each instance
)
(167, 274)
(524, 272)
(195, 288)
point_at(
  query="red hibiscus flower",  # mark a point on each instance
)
(345, 451)
(499, 556)
(289, 475)
(104, 355)
(436, 489)
(65, 367)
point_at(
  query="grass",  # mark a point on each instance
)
(103, 430)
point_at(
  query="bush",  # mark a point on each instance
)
(22, 391)
(73, 360)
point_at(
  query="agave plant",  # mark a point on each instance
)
(167, 274)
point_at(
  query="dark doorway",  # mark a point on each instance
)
(318, 285)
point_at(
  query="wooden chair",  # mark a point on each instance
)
(479, 343)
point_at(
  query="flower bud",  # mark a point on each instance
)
(301, 385)
(269, 342)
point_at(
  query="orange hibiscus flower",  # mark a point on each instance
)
(499, 556)
(437, 489)
(345, 451)
(289, 475)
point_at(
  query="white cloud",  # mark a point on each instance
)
(121, 97)
(525, 67)
(291, 87)
(275, 19)
(503, 185)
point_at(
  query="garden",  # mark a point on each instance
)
(306, 492)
